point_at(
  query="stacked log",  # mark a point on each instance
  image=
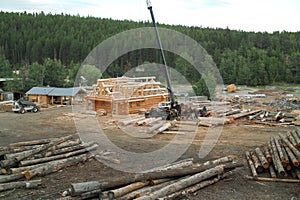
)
(244, 114)
(261, 117)
(125, 122)
(159, 183)
(27, 159)
(20, 184)
(263, 160)
(257, 164)
(212, 121)
(280, 158)
(148, 121)
(296, 138)
(251, 164)
(218, 114)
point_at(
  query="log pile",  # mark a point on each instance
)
(174, 180)
(24, 160)
(261, 117)
(216, 114)
(278, 160)
(235, 112)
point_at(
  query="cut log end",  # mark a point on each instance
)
(296, 164)
(3, 171)
(259, 169)
(27, 175)
(269, 159)
(266, 165)
(111, 195)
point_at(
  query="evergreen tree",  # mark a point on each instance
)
(5, 68)
(62, 42)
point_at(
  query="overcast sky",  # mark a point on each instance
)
(247, 15)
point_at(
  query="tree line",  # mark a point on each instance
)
(47, 49)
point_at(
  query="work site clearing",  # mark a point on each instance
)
(43, 157)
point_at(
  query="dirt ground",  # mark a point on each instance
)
(234, 140)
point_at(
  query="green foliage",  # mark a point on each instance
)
(72, 73)
(186, 68)
(206, 86)
(55, 73)
(88, 75)
(48, 50)
(36, 74)
(5, 68)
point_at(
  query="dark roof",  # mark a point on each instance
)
(51, 91)
(40, 90)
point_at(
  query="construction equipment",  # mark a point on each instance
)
(168, 110)
(22, 106)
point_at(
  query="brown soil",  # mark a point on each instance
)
(234, 140)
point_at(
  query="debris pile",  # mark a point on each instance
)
(25, 160)
(221, 113)
(273, 92)
(278, 160)
(267, 118)
(286, 104)
(179, 179)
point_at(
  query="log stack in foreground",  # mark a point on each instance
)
(161, 183)
(278, 160)
(25, 160)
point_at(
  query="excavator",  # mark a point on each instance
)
(167, 110)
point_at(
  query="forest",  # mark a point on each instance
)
(47, 50)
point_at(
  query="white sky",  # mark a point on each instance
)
(254, 15)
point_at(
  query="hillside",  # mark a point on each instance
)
(242, 57)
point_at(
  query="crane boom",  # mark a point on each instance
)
(165, 70)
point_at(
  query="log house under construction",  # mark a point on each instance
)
(126, 95)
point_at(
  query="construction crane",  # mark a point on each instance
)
(165, 70)
(172, 109)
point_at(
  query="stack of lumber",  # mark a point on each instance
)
(165, 182)
(278, 160)
(25, 160)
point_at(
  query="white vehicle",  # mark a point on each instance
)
(24, 106)
(164, 105)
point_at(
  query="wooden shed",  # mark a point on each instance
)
(126, 95)
(39, 95)
(52, 95)
(67, 95)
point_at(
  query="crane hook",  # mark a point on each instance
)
(148, 3)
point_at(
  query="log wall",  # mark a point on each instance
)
(126, 95)
(40, 99)
(125, 106)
